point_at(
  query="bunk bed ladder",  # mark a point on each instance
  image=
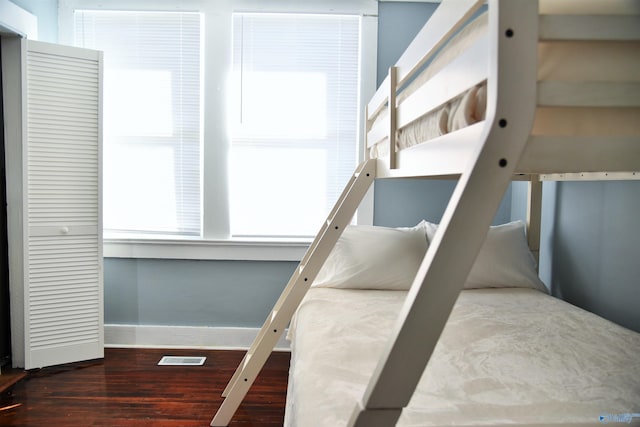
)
(435, 289)
(294, 292)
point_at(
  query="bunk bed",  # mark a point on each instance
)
(448, 324)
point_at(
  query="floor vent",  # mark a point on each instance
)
(181, 361)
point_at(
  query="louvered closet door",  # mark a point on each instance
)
(63, 268)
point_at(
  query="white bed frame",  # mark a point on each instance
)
(485, 157)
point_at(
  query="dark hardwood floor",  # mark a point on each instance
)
(9, 377)
(127, 388)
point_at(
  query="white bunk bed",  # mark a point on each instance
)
(547, 91)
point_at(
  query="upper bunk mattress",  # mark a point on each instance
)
(506, 356)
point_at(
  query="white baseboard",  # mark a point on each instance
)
(152, 336)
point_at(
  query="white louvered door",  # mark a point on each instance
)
(61, 201)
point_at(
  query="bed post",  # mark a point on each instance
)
(367, 127)
(300, 282)
(393, 82)
(513, 26)
(534, 215)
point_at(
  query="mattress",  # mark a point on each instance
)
(566, 61)
(506, 356)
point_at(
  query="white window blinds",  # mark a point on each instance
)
(294, 113)
(152, 118)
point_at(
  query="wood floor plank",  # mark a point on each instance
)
(127, 388)
(9, 377)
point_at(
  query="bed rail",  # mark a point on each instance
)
(550, 151)
(446, 20)
(467, 70)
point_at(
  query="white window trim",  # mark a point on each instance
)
(216, 243)
(199, 249)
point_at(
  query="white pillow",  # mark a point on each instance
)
(504, 260)
(371, 257)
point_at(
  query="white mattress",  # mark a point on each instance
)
(505, 356)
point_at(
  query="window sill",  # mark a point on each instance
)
(199, 249)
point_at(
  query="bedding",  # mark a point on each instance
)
(371, 257)
(504, 260)
(358, 258)
(510, 353)
(506, 356)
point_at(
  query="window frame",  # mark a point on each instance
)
(160, 126)
(216, 243)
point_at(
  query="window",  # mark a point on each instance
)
(152, 125)
(295, 120)
(197, 142)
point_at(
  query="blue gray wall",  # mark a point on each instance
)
(192, 293)
(398, 24)
(47, 13)
(590, 244)
(596, 246)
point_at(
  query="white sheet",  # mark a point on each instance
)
(505, 356)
